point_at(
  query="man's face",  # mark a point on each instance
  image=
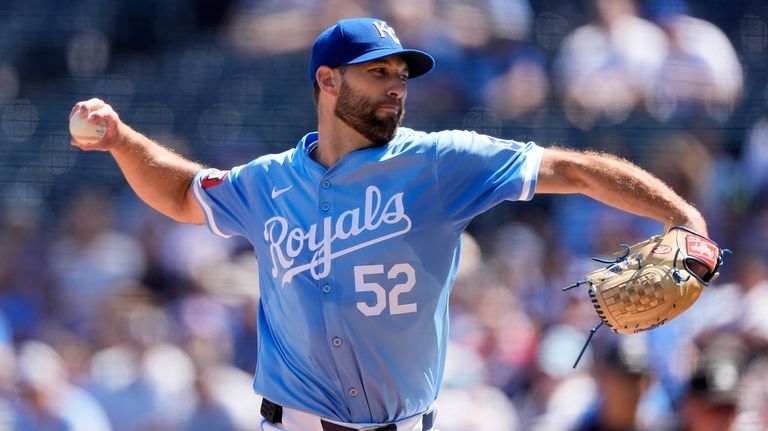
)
(376, 116)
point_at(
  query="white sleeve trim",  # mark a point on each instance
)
(208, 211)
(531, 168)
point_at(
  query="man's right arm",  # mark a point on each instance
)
(160, 177)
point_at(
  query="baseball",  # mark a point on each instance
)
(86, 132)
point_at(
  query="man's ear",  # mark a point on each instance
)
(325, 80)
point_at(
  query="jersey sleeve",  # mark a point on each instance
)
(222, 196)
(476, 172)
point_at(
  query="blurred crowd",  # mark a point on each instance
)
(115, 318)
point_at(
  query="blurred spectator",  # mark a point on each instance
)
(26, 282)
(688, 167)
(205, 330)
(701, 74)
(737, 307)
(417, 18)
(48, 401)
(225, 398)
(509, 341)
(466, 402)
(560, 393)
(519, 251)
(490, 315)
(754, 158)
(151, 391)
(711, 399)
(139, 377)
(91, 259)
(607, 67)
(265, 28)
(595, 229)
(188, 251)
(246, 337)
(753, 395)
(487, 61)
(624, 379)
(208, 414)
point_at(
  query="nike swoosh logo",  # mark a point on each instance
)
(277, 192)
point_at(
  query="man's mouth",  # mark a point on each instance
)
(391, 108)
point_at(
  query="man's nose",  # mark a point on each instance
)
(397, 88)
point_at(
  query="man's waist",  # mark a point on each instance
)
(297, 419)
(306, 384)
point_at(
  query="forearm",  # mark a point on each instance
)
(160, 177)
(620, 184)
(628, 187)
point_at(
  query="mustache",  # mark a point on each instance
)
(390, 101)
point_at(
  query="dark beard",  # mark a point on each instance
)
(359, 113)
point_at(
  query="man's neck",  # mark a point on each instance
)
(335, 140)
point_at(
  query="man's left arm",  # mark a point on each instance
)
(615, 182)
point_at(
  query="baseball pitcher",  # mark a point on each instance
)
(357, 230)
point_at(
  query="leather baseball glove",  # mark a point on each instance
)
(653, 281)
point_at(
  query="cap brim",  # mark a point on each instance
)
(419, 62)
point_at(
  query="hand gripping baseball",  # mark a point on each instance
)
(94, 125)
(654, 281)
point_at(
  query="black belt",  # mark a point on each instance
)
(273, 413)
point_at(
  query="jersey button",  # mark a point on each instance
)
(326, 288)
(326, 184)
(325, 206)
(352, 392)
(336, 342)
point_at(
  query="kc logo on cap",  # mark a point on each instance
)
(385, 30)
(357, 40)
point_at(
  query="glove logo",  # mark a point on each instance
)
(661, 249)
(702, 249)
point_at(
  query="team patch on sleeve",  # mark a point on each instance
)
(213, 179)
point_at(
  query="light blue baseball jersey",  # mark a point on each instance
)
(356, 262)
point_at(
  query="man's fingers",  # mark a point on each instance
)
(95, 116)
(76, 110)
(87, 106)
(106, 115)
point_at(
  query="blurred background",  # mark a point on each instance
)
(114, 318)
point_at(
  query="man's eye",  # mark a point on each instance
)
(404, 77)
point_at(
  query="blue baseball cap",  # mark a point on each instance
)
(357, 40)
